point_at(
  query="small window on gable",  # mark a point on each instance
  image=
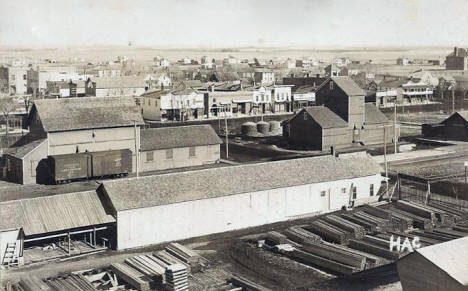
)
(343, 190)
(371, 189)
(331, 85)
(354, 192)
(149, 156)
(169, 154)
(305, 115)
(323, 193)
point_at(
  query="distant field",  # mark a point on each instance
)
(144, 54)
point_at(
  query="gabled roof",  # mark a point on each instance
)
(54, 213)
(348, 86)
(462, 114)
(461, 53)
(393, 84)
(155, 94)
(325, 117)
(373, 114)
(304, 89)
(246, 178)
(25, 145)
(87, 113)
(451, 257)
(178, 137)
(119, 82)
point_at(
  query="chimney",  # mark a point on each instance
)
(455, 52)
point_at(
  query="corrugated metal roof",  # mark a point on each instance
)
(325, 117)
(209, 183)
(54, 213)
(451, 257)
(178, 137)
(87, 113)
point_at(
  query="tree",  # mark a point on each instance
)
(7, 106)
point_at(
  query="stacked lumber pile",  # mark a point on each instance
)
(276, 238)
(246, 284)
(149, 266)
(321, 262)
(301, 236)
(381, 224)
(134, 278)
(443, 217)
(33, 283)
(432, 235)
(226, 286)
(418, 221)
(71, 282)
(186, 255)
(397, 221)
(176, 277)
(423, 240)
(328, 232)
(169, 259)
(372, 261)
(457, 213)
(376, 240)
(417, 209)
(451, 233)
(357, 230)
(369, 227)
(374, 249)
(338, 255)
(461, 226)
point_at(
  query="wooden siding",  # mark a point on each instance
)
(305, 132)
(336, 100)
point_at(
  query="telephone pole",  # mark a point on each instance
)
(227, 133)
(395, 138)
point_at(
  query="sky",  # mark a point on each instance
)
(233, 23)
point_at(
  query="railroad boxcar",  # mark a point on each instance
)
(69, 167)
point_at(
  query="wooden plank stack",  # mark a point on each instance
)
(246, 284)
(33, 283)
(337, 255)
(374, 249)
(456, 212)
(276, 238)
(416, 209)
(370, 227)
(71, 282)
(301, 236)
(149, 266)
(371, 260)
(328, 232)
(380, 223)
(133, 277)
(418, 221)
(169, 259)
(186, 255)
(356, 229)
(176, 277)
(322, 262)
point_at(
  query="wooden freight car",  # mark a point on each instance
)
(81, 166)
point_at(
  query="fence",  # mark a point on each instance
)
(413, 194)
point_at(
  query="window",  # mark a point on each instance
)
(149, 102)
(214, 100)
(169, 154)
(24, 77)
(149, 156)
(354, 192)
(305, 115)
(371, 189)
(323, 193)
(192, 152)
(155, 103)
(331, 85)
(343, 190)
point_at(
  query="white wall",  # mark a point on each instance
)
(152, 225)
(9, 236)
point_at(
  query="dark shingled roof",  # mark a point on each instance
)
(210, 183)
(87, 113)
(178, 137)
(348, 86)
(325, 117)
(25, 145)
(54, 213)
(374, 115)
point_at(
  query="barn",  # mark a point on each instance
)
(454, 127)
(438, 267)
(320, 128)
(155, 209)
(176, 147)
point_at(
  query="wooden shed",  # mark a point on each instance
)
(438, 267)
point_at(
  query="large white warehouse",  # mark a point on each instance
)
(175, 206)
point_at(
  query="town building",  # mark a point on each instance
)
(178, 146)
(262, 101)
(4, 80)
(281, 98)
(60, 89)
(334, 70)
(454, 127)
(436, 267)
(264, 77)
(70, 126)
(17, 79)
(303, 96)
(457, 60)
(227, 102)
(151, 210)
(116, 86)
(402, 61)
(37, 78)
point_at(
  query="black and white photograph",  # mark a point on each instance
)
(233, 145)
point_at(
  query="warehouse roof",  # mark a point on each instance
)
(373, 114)
(86, 113)
(54, 213)
(450, 257)
(178, 137)
(346, 84)
(209, 183)
(325, 117)
(25, 145)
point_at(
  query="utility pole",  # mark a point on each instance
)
(385, 155)
(136, 148)
(395, 138)
(227, 134)
(453, 99)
